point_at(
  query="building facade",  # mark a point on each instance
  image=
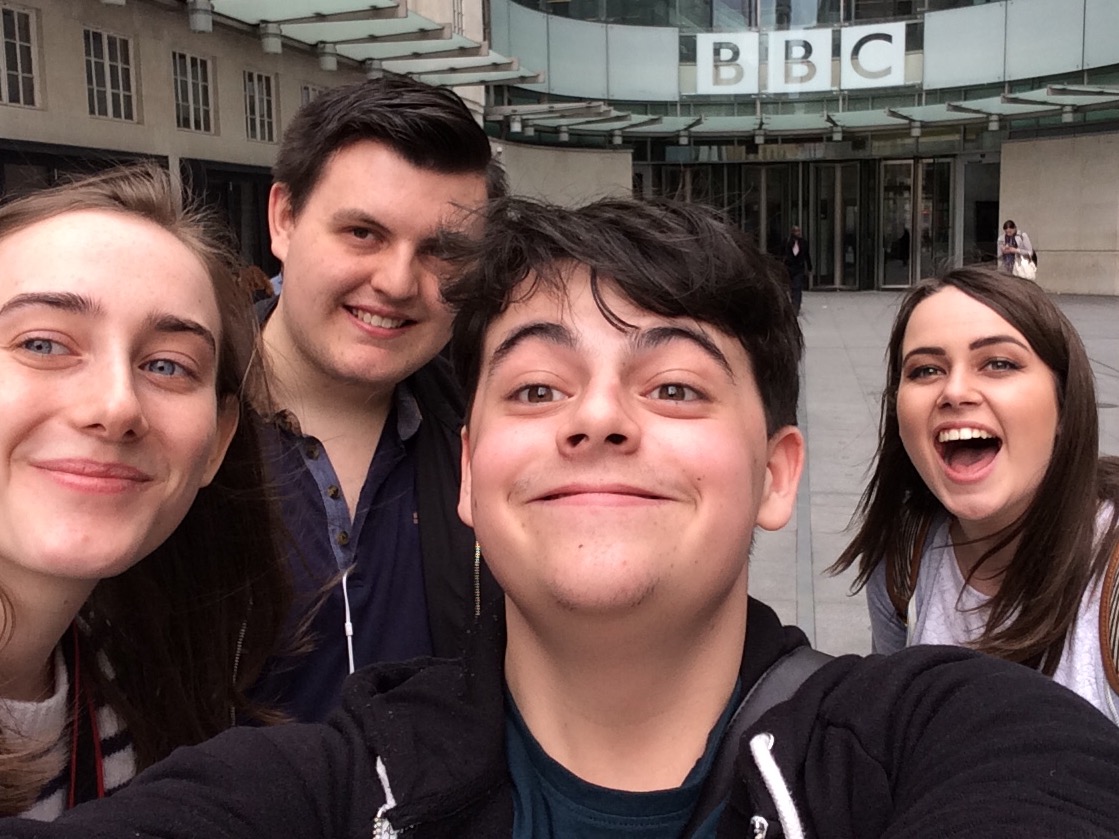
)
(207, 88)
(898, 133)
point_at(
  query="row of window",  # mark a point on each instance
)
(110, 80)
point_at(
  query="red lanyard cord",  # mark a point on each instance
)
(75, 725)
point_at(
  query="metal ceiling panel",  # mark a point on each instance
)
(277, 11)
(496, 77)
(441, 48)
(359, 31)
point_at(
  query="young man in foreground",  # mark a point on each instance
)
(634, 380)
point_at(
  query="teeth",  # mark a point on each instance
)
(377, 320)
(951, 434)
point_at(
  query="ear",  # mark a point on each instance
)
(465, 512)
(229, 414)
(782, 476)
(280, 220)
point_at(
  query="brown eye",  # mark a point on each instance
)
(538, 393)
(675, 393)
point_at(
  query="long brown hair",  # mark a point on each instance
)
(1057, 553)
(188, 628)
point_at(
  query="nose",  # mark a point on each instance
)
(398, 272)
(959, 388)
(109, 404)
(602, 419)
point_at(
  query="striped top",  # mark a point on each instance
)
(48, 721)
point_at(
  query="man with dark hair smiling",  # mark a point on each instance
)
(361, 417)
(633, 372)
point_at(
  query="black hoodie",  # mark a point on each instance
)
(929, 742)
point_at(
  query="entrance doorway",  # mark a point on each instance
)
(916, 195)
(837, 224)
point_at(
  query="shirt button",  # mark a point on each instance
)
(343, 538)
(332, 491)
(313, 452)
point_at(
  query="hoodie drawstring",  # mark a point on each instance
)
(761, 746)
(382, 828)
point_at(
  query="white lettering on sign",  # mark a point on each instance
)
(872, 56)
(800, 60)
(727, 63)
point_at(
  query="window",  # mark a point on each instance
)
(192, 92)
(308, 92)
(258, 107)
(17, 70)
(108, 75)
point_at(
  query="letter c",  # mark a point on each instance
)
(857, 64)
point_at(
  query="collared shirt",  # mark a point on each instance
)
(379, 547)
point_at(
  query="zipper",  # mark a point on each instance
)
(477, 579)
(759, 827)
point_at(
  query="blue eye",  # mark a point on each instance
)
(165, 367)
(44, 346)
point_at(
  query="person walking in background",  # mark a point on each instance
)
(361, 417)
(991, 521)
(1014, 243)
(140, 589)
(798, 262)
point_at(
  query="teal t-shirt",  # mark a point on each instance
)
(552, 803)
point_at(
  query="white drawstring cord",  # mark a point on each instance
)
(760, 745)
(382, 827)
(348, 626)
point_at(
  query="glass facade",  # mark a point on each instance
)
(703, 15)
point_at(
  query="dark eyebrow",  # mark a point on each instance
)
(995, 339)
(172, 323)
(977, 344)
(658, 336)
(352, 215)
(551, 332)
(67, 301)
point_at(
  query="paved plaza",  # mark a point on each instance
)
(844, 371)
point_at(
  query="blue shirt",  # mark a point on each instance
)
(380, 546)
(549, 802)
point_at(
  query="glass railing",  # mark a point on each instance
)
(704, 15)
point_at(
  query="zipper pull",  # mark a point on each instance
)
(759, 827)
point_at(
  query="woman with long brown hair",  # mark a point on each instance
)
(140, 591)
(990, 520)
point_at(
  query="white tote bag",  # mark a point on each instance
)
(1024, 267)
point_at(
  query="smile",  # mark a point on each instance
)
(378, 321)
(609, 496)
(967, 452)
(94, 476)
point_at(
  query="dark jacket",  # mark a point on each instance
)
(930, 742)
(800, 262)
(454, 586)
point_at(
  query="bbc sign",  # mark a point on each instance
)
(800, 60)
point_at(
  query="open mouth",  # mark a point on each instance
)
(967, 451)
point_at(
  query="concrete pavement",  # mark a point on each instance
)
(844, 372)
